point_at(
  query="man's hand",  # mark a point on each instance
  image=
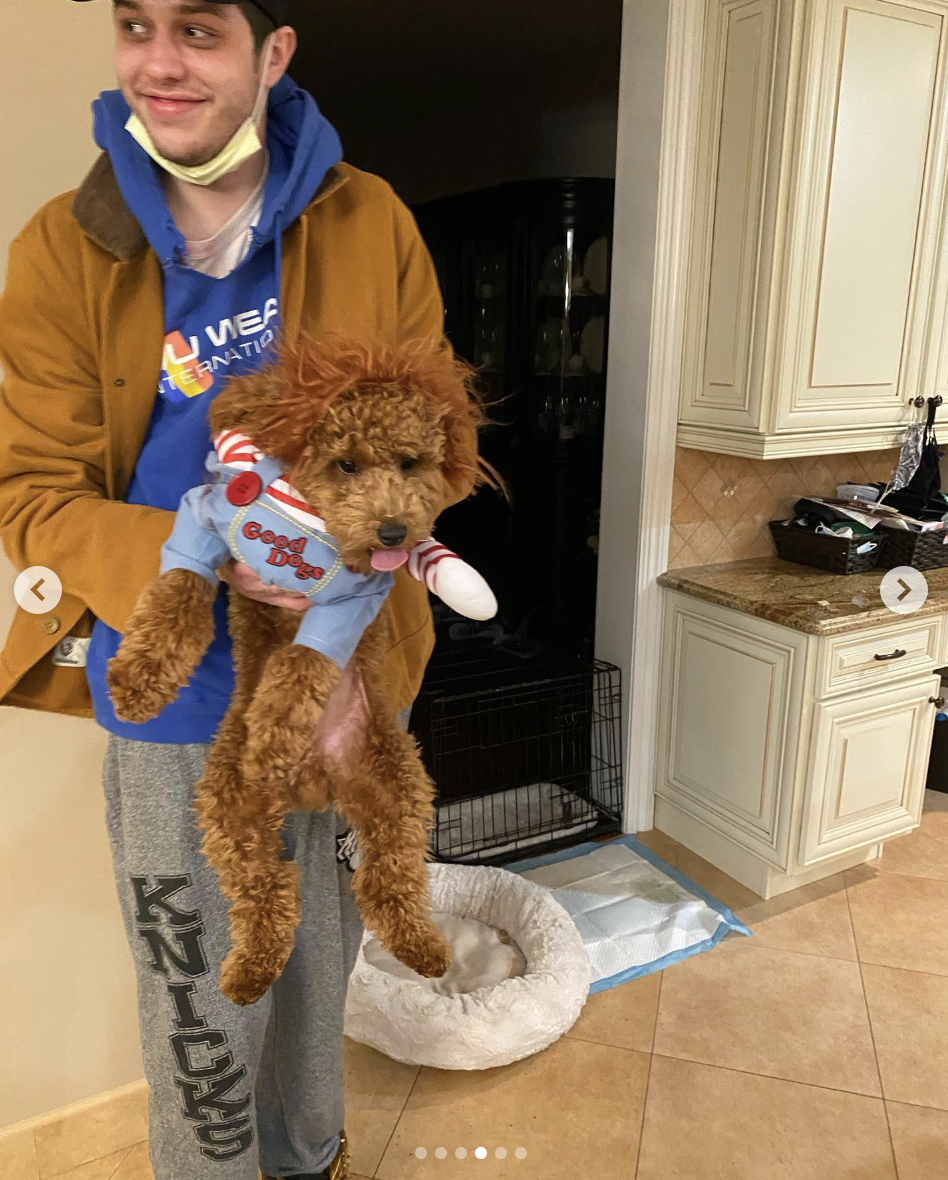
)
(242, 579)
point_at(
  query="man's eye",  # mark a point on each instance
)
(135, 27)
(347, 467)
(409, 464)
(196, 34)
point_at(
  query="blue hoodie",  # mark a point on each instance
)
(214, 328)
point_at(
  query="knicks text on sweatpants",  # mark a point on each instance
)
(283, 551)
(214, 1087)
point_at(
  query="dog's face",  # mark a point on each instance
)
(372, 469)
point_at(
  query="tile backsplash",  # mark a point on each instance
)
(721, 504)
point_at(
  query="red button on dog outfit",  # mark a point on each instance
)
(244, 488)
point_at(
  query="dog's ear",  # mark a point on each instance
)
(450, 382)
(269, 408)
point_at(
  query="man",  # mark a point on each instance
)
(218, 216)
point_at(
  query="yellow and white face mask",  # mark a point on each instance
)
(244, 143)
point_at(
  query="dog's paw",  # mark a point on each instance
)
(243, 981)
(136, 695)
(430, 955)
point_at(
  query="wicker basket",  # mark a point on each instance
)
(837, 554)
(922, 551)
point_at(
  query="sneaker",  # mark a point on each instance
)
(337, 1170)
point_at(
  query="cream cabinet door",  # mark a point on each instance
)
(729, 724)
(861, 252)
(721, 385)
(867, 768)
(813, 310)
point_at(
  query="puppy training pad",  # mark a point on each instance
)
(409, 1021)
(636, 914)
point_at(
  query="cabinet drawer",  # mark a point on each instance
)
(868, 658)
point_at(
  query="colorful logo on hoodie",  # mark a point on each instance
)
(192, 364)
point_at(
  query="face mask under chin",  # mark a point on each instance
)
(244, 144)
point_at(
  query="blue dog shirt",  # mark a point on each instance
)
(250, 512)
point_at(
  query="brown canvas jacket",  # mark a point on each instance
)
(81, 334)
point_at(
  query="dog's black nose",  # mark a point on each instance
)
(392, 534)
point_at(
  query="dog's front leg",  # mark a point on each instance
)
(169, 631)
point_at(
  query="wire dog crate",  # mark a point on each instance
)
(523, 759)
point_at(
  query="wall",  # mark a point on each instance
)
(721, 503)
(442, 98)
(68, 1022)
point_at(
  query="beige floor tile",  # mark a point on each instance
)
(376, 1090)
(576, 1109)
(813, 919)
(622, 1016)
(909, 1014)
(705, 1123)
(18, 1155)
(718, 884)
(922, 853)
(136, 1165)
(935, 801)
(899, 921)
(106, 1168)
(92, 1133)
(662, 845)
(798, 1017)
(920, 1138)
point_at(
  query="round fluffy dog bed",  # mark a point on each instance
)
(431, 1022)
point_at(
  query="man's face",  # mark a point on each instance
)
(188, 70)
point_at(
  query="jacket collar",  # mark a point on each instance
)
(102, 213)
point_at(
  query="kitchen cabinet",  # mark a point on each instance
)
(868, 762)
(786, 756)
(818, 270)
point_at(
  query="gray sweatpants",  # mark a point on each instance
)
(231, 1087)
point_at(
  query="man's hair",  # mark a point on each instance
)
(260, 24)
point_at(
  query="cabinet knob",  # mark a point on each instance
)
(938, 702)
(892, 655)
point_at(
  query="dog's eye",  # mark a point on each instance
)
(347, 467)
(409, 464)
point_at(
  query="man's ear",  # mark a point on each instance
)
(284, 48)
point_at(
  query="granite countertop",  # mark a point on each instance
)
(801, 596)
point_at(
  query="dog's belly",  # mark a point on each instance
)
(338, 737)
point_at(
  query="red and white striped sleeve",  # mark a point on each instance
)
(451, 579)
(236, 450)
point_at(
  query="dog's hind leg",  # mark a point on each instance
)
(263, 744)
(388, 800)
(388, 797)
(245, 852)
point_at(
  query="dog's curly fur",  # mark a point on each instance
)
(404, 415)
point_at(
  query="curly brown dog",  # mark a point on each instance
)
(369, 434)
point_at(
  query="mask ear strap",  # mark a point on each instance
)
(263, 93)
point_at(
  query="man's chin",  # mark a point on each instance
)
(185, 150)
(185, 155)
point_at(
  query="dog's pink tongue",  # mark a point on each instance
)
(388, 559)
